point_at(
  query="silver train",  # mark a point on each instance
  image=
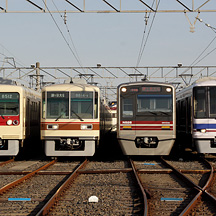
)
(72, 118)
(196, 115)
(146, 118)
(19, 117)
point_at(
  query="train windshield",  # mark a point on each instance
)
(127, 104)
(82, 105)
(9, 104)
(58, 105)
(154, 103)
(204, 100)
(212, 97)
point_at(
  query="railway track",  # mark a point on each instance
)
(177, 191)
(113, 184)
(121, 187)
(29, 190)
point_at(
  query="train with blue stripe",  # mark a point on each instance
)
(146, 118)
(196, 115)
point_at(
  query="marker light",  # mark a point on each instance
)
(15, 122)
(9, 122)
(123, 89)
(168, 89)
(203, 130)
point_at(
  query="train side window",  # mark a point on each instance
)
(200, 102)
(127, 107)
(96, 105)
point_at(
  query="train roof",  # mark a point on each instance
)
(144, 83)
(18, 88)
(205, 81)
(70, 86)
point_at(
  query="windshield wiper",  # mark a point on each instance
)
(164, 113)
(154, 113)
(59, 117)
(77, 115)
(2, 116)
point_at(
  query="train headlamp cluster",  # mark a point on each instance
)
(52, 126)
(86, 127)
(14, 122)
(203, 130)
(168, 89)
(123, 89)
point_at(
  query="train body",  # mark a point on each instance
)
(19, 117)
(70, 120)
(146, 118)
(196, 115)
(113, 111)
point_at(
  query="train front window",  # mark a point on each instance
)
(127, 107)
(212, 97)
(9, 104)
(154, 103)
(200, 102)
(82, 105)
(58, 105)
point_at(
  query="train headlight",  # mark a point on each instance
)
(86, 127)
(52, 127)
(9, 122)
(203, 130)
(123, 89)
(168, 89)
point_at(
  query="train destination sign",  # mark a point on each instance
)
(8, 95)
(151, 89)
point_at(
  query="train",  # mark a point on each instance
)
(196, 115)
(113, 109)
(146, 118)
(72, 119)
(19, 117)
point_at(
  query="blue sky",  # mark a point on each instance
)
(109, 39)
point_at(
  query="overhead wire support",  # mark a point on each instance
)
(36, 5)
(74, 6)
(148, 6)
(111, 6)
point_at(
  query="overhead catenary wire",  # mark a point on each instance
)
(65, 22)
(143, 45)
(62, 35)
(199, 59)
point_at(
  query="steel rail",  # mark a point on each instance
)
(52, 201)
(18, 181)
(201, 190)
(6, 162)
(141, 187)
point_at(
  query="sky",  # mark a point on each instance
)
(109, 39)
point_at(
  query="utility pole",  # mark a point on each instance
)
(37, 76)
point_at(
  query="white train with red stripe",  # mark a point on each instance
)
(19, 117)
(146, 118)
(196, 115)
(70, 120)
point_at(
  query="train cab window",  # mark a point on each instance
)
(58, 105)
(127, 107)
(82, 105)
(154, 103)
(9, 104)
(200, 102)
(212, 97)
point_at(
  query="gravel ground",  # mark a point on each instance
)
(117, 193)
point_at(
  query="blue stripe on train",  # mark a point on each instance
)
(204, 126)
